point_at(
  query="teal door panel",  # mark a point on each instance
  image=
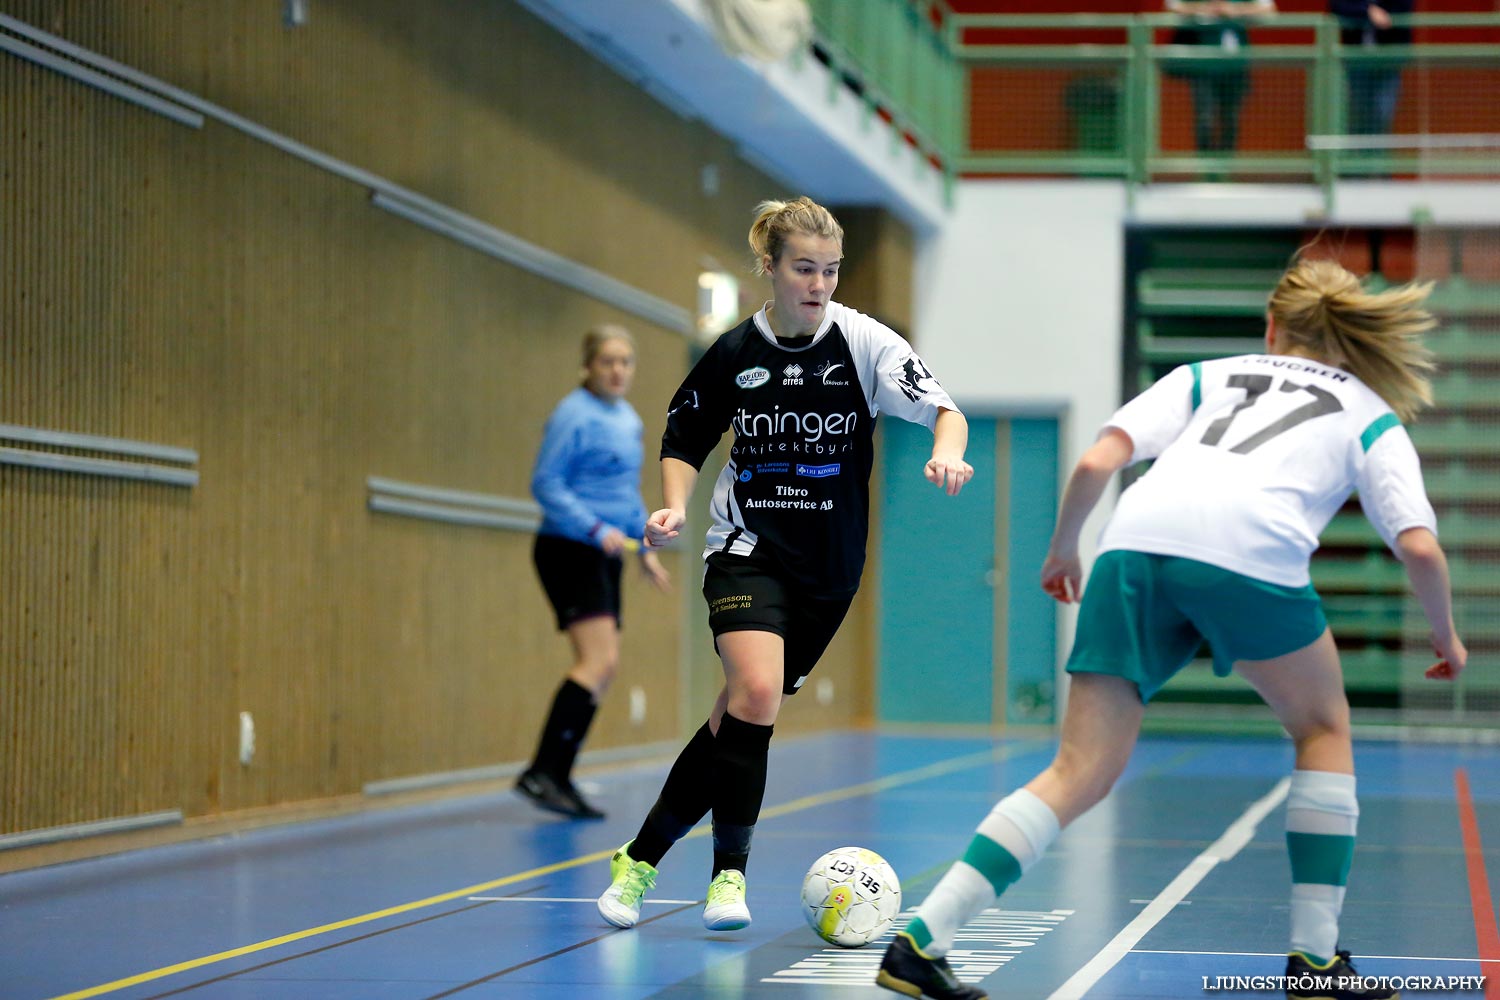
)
(1031, 616)
(936, 605)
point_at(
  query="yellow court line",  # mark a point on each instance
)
(250, 949)
(901, 778)
(796, 805)
(1171, 764)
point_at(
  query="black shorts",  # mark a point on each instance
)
(580, 580)
(746, 594)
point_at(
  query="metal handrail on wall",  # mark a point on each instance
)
(127, 83)
(914, 60)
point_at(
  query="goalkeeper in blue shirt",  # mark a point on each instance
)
(587, 480)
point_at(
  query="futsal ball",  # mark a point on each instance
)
(850, 896)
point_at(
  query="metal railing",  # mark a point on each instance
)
(897, 58)
(1110, 95)
(1294, 81)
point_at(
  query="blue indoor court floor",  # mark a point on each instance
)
(1179, 875)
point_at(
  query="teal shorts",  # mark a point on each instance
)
(1144, 617)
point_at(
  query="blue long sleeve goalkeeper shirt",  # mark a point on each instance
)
(587, 476)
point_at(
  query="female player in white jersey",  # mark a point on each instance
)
(1254, 455)
(800, 383)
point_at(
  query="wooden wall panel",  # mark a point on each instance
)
(200, 288)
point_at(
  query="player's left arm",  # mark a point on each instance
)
(1427, 568)
(897, 381)
(1395, 501)
(950, 437)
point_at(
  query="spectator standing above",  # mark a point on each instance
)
(1219, 88)
(1374, 84)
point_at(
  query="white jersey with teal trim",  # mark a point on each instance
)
(1254, 455)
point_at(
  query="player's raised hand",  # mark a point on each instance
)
(663, 526)
(1452, 658)
(948, 472)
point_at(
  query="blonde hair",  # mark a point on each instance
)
(602, 334)
(1324, 310)
(775, 220)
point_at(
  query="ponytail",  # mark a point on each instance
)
(1324, 310)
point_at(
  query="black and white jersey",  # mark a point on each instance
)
(796, 489)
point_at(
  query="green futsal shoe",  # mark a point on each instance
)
(725, 909)
(629, 880)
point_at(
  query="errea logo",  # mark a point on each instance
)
(792, 375)
(752, 378)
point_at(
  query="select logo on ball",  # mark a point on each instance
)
(850, 897)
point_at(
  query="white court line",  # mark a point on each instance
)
(1227, 846)
(569, 899)
(1282, 954)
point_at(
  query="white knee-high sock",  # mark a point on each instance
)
(1016, 832)
(1322, 817)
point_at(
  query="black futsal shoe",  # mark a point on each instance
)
(1335, 981)
(555, 796)
(906, 970)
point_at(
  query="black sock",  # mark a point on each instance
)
(739, 784)
(572, 712)
(684, 800)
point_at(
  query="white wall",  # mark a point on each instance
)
(1019, 304)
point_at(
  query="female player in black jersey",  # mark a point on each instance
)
(800, 382)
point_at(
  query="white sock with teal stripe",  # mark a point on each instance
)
(1322, 815)
(1015, 833)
